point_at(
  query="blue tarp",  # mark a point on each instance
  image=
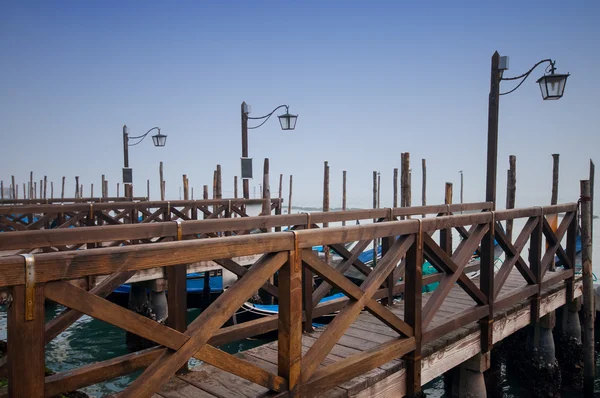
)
(195, 284)
(275, 307)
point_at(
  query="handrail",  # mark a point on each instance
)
(96, 199)
(43, 238)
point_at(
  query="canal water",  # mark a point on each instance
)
(89, 340)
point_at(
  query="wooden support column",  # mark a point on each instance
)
(511, 191)
(326, 205)
(446, 234)
(535, 258)
(290, 195)
(26, 362)
(486, 284)
(589, 364)
(162, 181)
(266, 193)
(395, 188)
(343, 194)
(413, 276)
(290, 320)
(62, 192)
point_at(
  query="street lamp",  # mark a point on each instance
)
(158, 139)
(552, 86)
(287, 121)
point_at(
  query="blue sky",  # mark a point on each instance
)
(369, 80)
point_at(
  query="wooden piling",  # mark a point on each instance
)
(592, 177)
(91, 190)
(280, 196)
(41, 189)
(2, 190)
(511, 191)
(162, 181)
(446, 234)
(378, 190)
(424, 183)
(235, 187)
(81, 191)
(117, 189)
(14, 186)
(51, 189)
(148, 189)
(45, 187)
(395, 201)
(589, 370)
(34, 190)
(185, 188)
(325, 204)
(406, 183)
(205, 192)
(219, 182)
(62, 192)
(344, 194)
(290, 196)
(31, 190)
(374, 220)
(76, 186)
(266, 190)
(462, 186)
(103, 186)
(555, 159)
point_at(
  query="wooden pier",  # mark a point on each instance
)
(386, 337)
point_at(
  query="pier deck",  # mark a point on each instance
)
(367, 332)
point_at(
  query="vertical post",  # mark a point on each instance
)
(103, 186)
(280, 196)
(289, 334)
(325, 204)
(117, 189)
(14, 186)
(219, 182)
(511, 191)
(402, 181)
(592, 177)
(148, 189)
(62, 191)
(395, 201)
(31, 190)
(35, 190)
(91, 190)
(51, 189)
(589, 313)
(424, 184)
(446, 234)
(162, 181)
(535, 257)
(378, 190)
(185, 188)
(26, 338)
(266, 193)
(406, 183)
(555, 159)
(462, 182)
(45, 187)
(492, 140)
(2, 189)
(125, 146)
(177, 300)
(290, 196)
(245, 181)
(235, 187)
(413, 276)
(205, 192)
(374, 220)
(76, 186)
(344, 194)
(486, 284)
(41, 189)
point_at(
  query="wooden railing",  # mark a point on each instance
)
(63, 239)
(55, 216)
(406, 244)
(6, 202)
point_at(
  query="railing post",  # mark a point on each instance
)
(487, 285)
(446, 234)
(177, 297)
(412, 311)
(290, 320)
(571, 254)
(535, 262)
(386, 243)
(26, 362)
(307, 291)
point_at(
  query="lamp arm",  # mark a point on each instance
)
(525, 75)
(272, 112)
(141, 137)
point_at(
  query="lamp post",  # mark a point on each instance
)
(552, 86)
(287, 122)
(158, 139)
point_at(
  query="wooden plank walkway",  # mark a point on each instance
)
(367, 332)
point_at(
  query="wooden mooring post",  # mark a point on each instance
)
(344, 194)
(589, 365)
(290, 195)
(395, 188)
(62, 191)
(325, 205)
(162, 181)
(266, 190)
(511, 191)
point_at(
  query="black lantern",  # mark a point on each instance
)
(553, 85)
(287, 121)
(159, 139)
